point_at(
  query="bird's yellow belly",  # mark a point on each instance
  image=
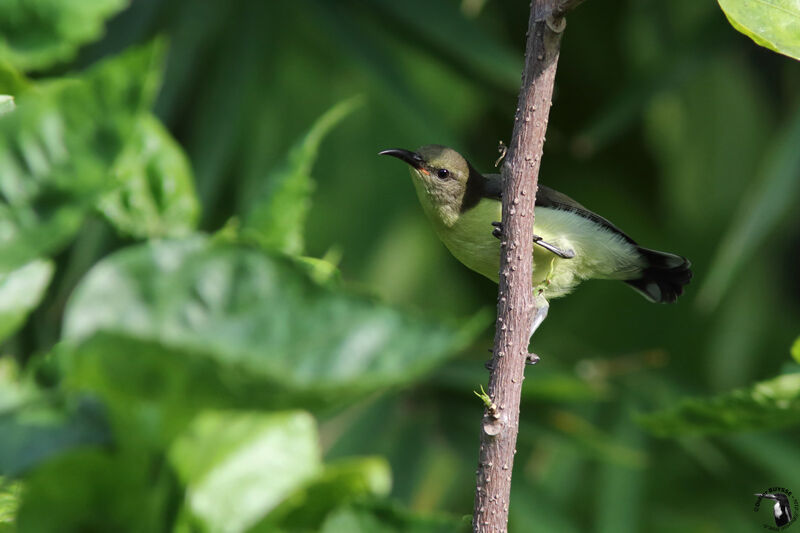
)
(598, 253)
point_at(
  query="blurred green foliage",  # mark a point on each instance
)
(222, 312)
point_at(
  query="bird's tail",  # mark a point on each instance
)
(663, 277)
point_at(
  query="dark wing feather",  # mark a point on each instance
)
(547, 197)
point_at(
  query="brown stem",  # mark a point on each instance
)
(515, 307)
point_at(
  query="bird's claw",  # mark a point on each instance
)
(498, 229)
(530, 359)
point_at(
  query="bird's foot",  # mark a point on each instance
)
(498, 229)
(489, 364)
(530, 359)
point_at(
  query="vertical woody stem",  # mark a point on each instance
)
(515, 307)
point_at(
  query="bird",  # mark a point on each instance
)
(781, 509)
(572, 243)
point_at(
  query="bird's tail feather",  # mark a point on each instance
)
(663, 277)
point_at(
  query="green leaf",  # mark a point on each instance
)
(339, 484)
(239, 466)
(36, 426)
(36, 431)
(116, 489)
(6, 104)
(245, 325)
(57, 148)
(13, 392)
(276, 218)
(35, 34)
(774, 24)
(795, 350)
(771, 197)
(769, 404)
(10, 492)
(21, 290)
(155, 196)
(386, 518)
(11, 81)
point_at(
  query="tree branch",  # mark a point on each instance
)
(565, 7)
(516, 302)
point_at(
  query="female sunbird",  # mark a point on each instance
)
(573, 243)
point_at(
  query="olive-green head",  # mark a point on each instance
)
(440, 175)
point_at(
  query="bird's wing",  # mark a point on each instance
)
(547, 197)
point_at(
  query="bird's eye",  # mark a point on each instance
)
(443, 173)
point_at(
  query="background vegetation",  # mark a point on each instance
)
(198, 336)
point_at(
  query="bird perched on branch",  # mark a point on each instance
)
(572, 243)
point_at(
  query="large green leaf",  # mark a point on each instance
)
(35, 34)
(765, 405)
(21, 290)
(115, 489)
(276, 217)
(155, 196)
(382, 518)
(35, 426)
(57, 148)
(44, 428)
(237, 466)
(340, 483)
(774, 24)
(205, 320)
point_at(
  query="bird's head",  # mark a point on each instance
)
(778, 497)
(440, 175)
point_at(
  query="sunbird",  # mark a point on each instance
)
(572, 243)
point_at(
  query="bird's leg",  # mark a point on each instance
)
(502, 149)
(543, 285)
(563, 254)
(542, 306)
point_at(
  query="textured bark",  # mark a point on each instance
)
(515, 307)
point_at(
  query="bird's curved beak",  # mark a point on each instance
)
(412, 158)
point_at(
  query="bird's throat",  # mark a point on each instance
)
(440, 209)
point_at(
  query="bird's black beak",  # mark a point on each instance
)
(412, 158)
(768, 496)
